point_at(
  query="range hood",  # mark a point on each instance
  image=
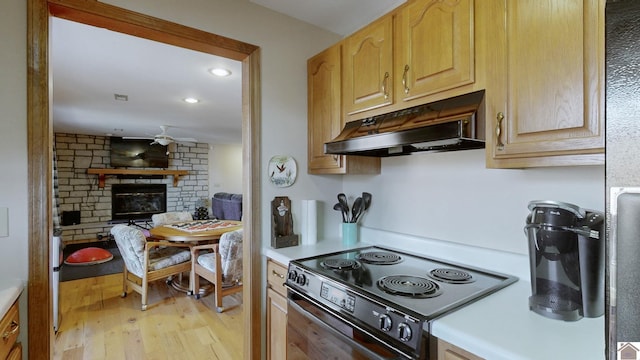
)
(447, 125)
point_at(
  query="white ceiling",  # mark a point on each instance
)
(339, 16)
(90, 65)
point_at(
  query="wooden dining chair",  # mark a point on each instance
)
(148, 261)
(220, 264)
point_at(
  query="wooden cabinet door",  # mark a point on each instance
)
(324, 109)
(448, 351)
(368, 66)
(548, 105)
(325, 119)
(16, 352)
(436, 50)
(276, 325)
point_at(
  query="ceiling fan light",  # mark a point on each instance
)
(220, 72)
(164, 142)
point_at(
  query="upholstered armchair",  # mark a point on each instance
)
(226, 206)
(220, 264)
(148, 261)
(171, 217)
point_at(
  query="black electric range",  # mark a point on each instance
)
(389, 294)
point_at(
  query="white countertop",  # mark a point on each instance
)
(10, 290)
(500, 326)
(284, 255)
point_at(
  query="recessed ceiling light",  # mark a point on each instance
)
(191, 100)
(220, 72)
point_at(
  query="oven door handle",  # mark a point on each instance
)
(331, 329)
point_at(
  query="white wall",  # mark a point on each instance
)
(13, 144)
(225, 168)
(453, 197)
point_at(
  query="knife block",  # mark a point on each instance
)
(282, 223)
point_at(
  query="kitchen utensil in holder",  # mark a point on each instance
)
(282, 223)
(349, 233)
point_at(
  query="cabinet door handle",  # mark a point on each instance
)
(15, 327)
(385, 91)
(281, 276)
(499, 144)
(404, 79)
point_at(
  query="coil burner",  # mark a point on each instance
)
(451, 276)
(411, 286)
(379, 257)
(340, 264)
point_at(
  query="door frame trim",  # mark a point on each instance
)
(40, 150)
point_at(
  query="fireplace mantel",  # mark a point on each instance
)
(103, 172)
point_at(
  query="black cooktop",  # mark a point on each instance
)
(424, 286)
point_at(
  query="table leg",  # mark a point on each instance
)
(183, 283)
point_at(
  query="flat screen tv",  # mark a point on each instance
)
(138, 153)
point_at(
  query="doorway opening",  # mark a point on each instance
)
(40, 148)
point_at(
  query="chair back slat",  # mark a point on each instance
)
(230, 249)
(130, 242)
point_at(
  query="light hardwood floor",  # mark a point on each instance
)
(99, 324)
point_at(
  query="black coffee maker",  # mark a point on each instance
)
(566, 254)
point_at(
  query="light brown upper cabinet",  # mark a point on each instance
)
(325, 120)
(368, 67)
(436, 51)
(423, 48)
(546, 107)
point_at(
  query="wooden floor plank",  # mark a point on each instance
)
(97, 323)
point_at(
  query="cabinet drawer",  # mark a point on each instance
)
(16, 353)
(276, 276)
(9, 328)
(448, 351)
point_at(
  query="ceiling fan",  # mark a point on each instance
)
(163, 138)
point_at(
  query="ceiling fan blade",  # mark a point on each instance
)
(138, 137)
(185, 140)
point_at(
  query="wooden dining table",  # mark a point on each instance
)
(193, 232)
(171, 233)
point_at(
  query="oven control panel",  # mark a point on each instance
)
(338, 297)
(393, 323)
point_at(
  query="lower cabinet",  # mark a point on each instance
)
(276, 311)
(10, 329)
(448, 351)
(276, 326)
(16, 352)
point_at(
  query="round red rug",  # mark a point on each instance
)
(88, 256)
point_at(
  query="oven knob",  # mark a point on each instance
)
(404, 332)
(385, 322)
(301, 279)
(293, 275)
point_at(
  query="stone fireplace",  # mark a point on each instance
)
(81, 191)
(137, 201)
